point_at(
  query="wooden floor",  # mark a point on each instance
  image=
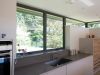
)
(98, 73)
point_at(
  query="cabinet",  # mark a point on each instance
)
(96, 54)
(57, 71)
(81, 67)
(92, 46)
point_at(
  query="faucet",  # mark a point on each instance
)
(51, 56)
(56, 56)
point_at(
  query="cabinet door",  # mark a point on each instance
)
(44, 74)
(96, 54)
(57, 71)
(81, 67)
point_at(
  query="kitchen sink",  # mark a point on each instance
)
(57, 62)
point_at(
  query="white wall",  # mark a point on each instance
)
(67, 37)
(95, 31)
(8, 19)
(73, 34)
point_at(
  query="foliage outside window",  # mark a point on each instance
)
(94, 25)
(29, 30)
(30, 36)
(74, 23)
(54, 32)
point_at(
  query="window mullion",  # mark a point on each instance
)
(86, 25)
(64, 25)
(44, 30)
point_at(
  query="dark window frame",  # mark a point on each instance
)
(86, 25)
(45, 29)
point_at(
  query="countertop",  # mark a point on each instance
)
(40, 68)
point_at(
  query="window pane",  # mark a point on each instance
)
(94, 25)
(54, 32)
(74, 23)
(29, 30)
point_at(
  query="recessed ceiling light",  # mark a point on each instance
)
(87, 2)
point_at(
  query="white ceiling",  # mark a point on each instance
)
(76, 10)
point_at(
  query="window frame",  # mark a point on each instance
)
(18, 10)
(45, 28)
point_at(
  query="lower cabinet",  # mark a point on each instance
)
(81, 67)
(57, 71)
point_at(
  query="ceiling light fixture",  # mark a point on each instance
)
(87, 2)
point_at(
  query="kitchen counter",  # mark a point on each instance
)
(39, 68)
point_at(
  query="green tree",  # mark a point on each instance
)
(54, 33)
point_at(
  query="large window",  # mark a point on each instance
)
(54, 32)
(29, 30)
(36, 32)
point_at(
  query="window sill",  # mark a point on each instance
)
(36, 54)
